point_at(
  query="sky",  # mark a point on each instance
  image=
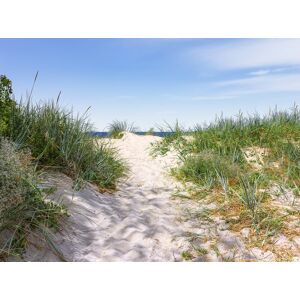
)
(153, 81)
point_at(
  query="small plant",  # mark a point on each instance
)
(201, 251)
(117, 128)
(250, 195)
(174, 138)
(204, 216)
(186, 255)
(150, 131)
(208, 169)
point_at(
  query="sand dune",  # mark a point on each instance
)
(139, 222)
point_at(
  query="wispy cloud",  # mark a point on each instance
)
(259, 66)
(267, 83)
(214, 97)
(260, 72)
(247, 54)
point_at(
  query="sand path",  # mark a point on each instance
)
(139, 222)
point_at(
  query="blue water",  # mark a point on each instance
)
(156, 133)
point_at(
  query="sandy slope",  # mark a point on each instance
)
(141, 221)
(137, 223)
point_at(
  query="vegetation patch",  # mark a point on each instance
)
(236, 162)
(117, 128)
(22, 205)
(207, 169)
(58, 139)
(35, 138)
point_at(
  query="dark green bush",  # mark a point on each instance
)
(6, 103)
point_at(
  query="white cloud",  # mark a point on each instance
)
(260, 72)
(247, 54)
(267, 83)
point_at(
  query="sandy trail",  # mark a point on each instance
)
(139, 222)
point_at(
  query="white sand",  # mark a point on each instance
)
(139, 222)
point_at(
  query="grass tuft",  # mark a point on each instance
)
(59, 139)
(117, 128)
(22, 205)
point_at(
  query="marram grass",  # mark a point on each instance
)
(59, 139)
(117, 128)
(22, 205)
(214, 160)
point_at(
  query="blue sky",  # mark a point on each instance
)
(149, 81)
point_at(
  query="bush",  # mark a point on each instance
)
(6, 103)
(22, 207)
(58, 139)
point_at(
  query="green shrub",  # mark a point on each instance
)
(6, 103)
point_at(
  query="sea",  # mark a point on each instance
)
(155, 133)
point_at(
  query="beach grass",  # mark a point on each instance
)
(60, 140)
(22, 205)
(237, 161)
(117, 128)
(36, 138)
